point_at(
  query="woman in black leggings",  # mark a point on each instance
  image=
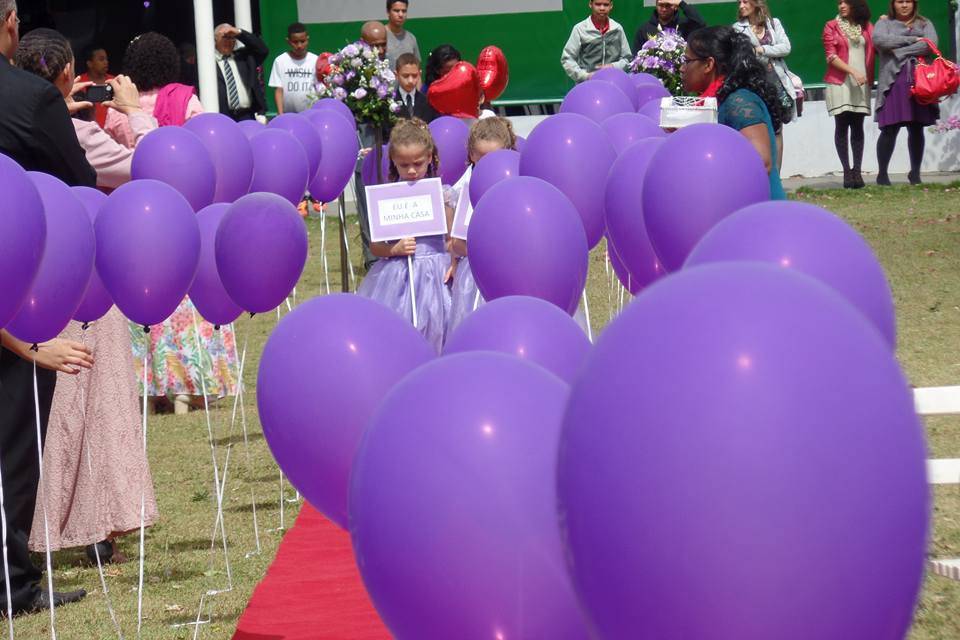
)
(848, 45)
(898, 42)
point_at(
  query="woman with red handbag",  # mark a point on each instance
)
(899, 40)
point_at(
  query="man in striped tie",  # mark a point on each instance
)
(238, 75)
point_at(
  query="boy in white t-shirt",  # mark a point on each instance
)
(294, 72)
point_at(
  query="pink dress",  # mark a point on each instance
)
(94, 468)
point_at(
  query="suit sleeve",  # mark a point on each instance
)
(257, 47)
(57, 144)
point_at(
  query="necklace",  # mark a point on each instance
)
(852, 31)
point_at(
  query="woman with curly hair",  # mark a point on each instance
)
(153, 63)
(179, 370)
(721, 63)
(848, 45)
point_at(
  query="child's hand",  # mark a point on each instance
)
(451, 272)
(63, 355)
(404, 247)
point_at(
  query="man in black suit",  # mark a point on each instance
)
(36, 132)
(414, 102)
(238, 76)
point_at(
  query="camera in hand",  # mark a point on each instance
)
(99, 93)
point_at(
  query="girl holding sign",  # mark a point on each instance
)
(486, 136)
(395, 280)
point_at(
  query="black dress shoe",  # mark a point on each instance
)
(60, 598)
(104, 547)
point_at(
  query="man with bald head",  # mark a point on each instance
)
(238, 78)
(375, 35)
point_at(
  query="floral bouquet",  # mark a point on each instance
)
(950, 124)
(662, 56)
(357, 76)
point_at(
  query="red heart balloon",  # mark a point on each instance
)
(457, 94)
(494, 72)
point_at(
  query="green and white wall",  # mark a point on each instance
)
(532, 32)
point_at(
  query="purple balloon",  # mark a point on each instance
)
(597, 100)
(453, 504)
(329, 104)
(23, 234)
(148, 246)
(368, 170)
(451, 135)
(644, 78)
(624, 129)
(493, 168)
(251, 128)
(65, 269)
(177, 157)
(280, 165)
(339, 159)
(261, 249)
(621, 80)
(729, 176)
(620, 269)
(652, 110)
(97, 301)
(313, 417)
(207, 292)
(521, 143)
(624, 213)
(526, 239)
(801, 236)
(572, 153)
(230, 151)
(525, 327)
(306, 134)
(768, 447)
(650, 93)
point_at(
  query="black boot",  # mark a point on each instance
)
(858, 179)
(104, 548)
(848, 182)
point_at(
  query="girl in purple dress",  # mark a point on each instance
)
(413, 156)
(486, 136)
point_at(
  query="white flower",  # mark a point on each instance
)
(360, 94)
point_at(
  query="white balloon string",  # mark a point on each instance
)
(6, 561)
(85, 445)
(346, 241)
(213, 447)
(413, 292)
(43, 504)
(143, 490)
(586, 313)
(219, 524)
(476, 300)
(240, 359)
(323, 250)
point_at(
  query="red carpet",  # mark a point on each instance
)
(312, 590)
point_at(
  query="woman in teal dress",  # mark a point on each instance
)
(721, 63)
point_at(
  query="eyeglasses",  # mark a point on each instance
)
(687, 60)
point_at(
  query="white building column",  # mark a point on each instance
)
(242, 16)
(206, 54)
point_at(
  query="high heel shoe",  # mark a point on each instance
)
(914, 177)
(848, 179)
(105, 550)
(858, 179)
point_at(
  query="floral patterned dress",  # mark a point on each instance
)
(176, 365)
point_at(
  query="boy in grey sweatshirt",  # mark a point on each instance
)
(595, 43)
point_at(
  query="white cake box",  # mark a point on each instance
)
(683, 111)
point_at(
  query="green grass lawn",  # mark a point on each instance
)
(916, 233)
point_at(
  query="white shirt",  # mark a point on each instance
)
(242, 92)
(404, 94)
(297, 78)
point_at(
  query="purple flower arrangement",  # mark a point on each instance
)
(950, 124)
(662, 56)
(358, 77)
